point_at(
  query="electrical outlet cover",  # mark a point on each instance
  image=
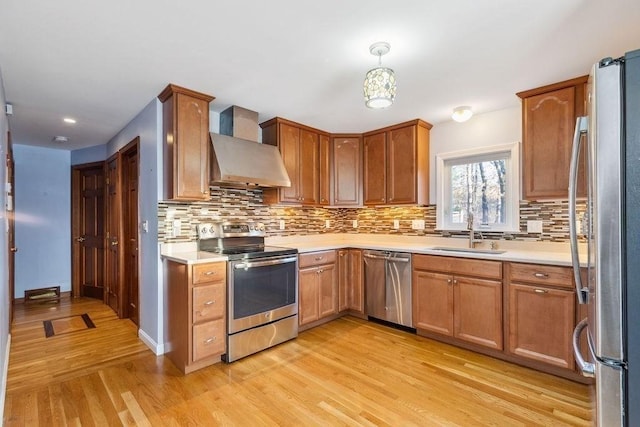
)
(534, 226)
(396, 224)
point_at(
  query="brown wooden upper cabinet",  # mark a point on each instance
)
(548, 120)
(396, 164)
(185, 117)
(346, 179)
(299, 146)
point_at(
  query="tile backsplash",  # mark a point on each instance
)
(227, 203)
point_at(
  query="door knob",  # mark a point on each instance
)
(80, 239)
(14, 250)
(114, 243)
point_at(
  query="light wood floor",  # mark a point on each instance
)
(348, 372)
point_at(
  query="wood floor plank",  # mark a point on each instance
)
(348, 372)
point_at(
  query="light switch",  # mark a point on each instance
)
(396, 224)
(282, 224)
(534, 226)
(327, 223)
(176, 227)
(355, 223)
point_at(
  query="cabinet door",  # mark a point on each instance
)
(328, 290)
(324, 183)
(346, 171)
(401, 167)
(308, 167)
(549, 122)
(478, 311)
(289, 144)
(308, 296)
(343, 279)
(374, 168)
(356, 282)
(541, 324)
(191, 149)
(433, 302)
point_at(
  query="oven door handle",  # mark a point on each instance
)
(246, 265)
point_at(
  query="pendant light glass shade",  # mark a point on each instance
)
(380, 82)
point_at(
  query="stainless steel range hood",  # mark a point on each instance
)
(239, 162)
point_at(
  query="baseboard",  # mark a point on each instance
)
(157, 349)
(5, 372)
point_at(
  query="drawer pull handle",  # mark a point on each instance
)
(210, 302)
(541, 275)
(209, 273)
(318, 258)
(540, 291)
(449, 281)
(210, 340)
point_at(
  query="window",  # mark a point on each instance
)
(483, 183)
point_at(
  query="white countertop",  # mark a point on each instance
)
(515, 251)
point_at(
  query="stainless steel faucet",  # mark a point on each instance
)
(472, 239)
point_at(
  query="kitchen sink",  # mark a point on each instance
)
(468, 250)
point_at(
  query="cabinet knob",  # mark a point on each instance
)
(382, 200)
(449, 281)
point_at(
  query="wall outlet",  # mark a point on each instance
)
(396, 224)
(417, 224)
(355, 223)
(282, 224)
(145, 226)
(176, 227)
(327, 223)
(534, 226)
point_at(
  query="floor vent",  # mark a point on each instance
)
(50, 294)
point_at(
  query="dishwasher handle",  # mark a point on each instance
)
(387, 258)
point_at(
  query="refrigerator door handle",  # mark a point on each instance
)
(588, 369)
(581, 128)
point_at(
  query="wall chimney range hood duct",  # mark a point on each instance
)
(240, 162)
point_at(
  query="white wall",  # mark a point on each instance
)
(494, 128)
(4, 256)
(148, 126)
(42, 212)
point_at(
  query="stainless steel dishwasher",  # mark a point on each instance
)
(387, 277)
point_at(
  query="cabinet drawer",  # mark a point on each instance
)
(203, 273)
(208, 339)
(542, 274)
(208, 302)
(316, 258)
(459, 266)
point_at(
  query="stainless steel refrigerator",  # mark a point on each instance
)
(610, 136)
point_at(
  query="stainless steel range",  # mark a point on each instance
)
(262, 289)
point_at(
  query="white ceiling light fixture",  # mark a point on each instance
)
(69, 120)
(462, 114)
(60, 139)
(380, 82)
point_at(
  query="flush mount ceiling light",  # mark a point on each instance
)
(69, 120)
(380, 82)
(462, 114)
(60, 139)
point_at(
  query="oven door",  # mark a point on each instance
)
(261, 291)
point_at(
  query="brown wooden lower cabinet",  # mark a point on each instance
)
(196, 314)
(463, 307)
(350, 281)
(317, 286)
(542, 304)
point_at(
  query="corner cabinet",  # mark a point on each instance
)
(301, 148)
(196, 314)
(396, 164)
(548, 121)
(346, 171)
(185, 123)
(350, 281)
(459, 298)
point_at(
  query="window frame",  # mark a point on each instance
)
(444, 161)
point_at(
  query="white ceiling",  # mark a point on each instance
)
(101, 62)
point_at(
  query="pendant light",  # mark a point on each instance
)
(380, 82)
